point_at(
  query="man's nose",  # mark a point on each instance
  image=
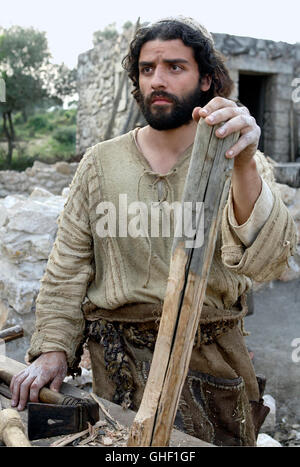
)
(158, 79)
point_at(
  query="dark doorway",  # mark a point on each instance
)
(252, 89)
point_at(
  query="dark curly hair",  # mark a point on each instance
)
(210, 61)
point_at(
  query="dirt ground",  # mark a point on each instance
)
(275, 341)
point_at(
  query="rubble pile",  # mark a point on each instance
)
(52, 177)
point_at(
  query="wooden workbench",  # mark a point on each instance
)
(123, 417)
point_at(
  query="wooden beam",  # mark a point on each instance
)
(12, 333)
(207, 182)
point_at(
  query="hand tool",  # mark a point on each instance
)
(56, 413)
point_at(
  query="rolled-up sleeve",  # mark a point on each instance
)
(262, 209)
(266, 257)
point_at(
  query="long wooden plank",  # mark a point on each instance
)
(208, 182)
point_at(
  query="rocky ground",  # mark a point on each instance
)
(286, 434)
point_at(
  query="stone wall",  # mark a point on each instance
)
(52, 177)
(98, 79)
(28, 226)
(296, 101)
(100, 73)
(278, 62)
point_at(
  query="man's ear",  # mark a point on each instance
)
(205, 82)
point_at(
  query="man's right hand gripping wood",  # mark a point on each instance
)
(49, 367)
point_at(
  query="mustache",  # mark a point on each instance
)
(164, 94)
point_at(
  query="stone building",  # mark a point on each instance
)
(266, 76)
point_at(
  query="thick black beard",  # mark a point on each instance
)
(180, 114)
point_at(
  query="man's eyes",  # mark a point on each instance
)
(146, 69)
(176, 67)
(150, 69)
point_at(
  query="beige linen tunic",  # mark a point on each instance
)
(118, 270)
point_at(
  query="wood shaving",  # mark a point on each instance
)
(103, 433)
(106, 441)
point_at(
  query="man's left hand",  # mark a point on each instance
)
(236, 119)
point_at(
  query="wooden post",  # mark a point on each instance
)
(12, 333)
(12, 430)
(208, 181)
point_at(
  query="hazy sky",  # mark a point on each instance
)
(70, 24)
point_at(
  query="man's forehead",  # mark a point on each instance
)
(169, 49)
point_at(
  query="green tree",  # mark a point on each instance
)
(108, 33)
(127, 25)
(24, 57)
(63, 80)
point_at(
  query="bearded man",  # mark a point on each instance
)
(109, 289)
